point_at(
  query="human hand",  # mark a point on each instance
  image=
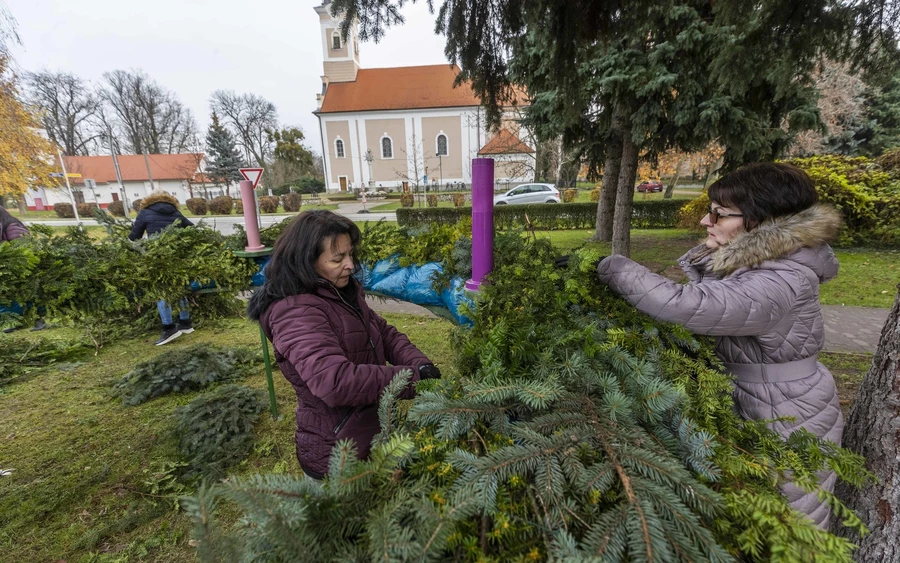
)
(429, 371)
(562, 262)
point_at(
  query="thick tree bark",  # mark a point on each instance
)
(607, 204)
(621, 242)
(670, 189)
(873, 430)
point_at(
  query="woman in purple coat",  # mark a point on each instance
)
(328, 343)
(753, 284)
(10, 227)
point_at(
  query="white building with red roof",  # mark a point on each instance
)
(93, 179)
(383, 127)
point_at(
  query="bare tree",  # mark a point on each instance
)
(146, 116)
(250, 118)
(69, 110)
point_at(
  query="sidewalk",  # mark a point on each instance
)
(847, 329)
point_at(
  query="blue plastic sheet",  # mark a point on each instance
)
(455, 296)
(394, 285)
(259, 277)
(418, 286)
(381, 270)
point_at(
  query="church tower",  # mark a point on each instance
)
(341, 58)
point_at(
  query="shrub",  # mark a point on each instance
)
(64, 210)
(183, 371)
(595, 194)
(407, 200)
(459, 199)
(651, 214)
(136, 204)
(86, 209)
(215, 430)
(268, 204)
(292, 202)
(197, 206)
(890, 160)
(238, 205)
(431, 200)
(222, 205)
(569, 195)
(116, 208)
(690, 215)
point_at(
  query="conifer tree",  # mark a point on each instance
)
(223, 158)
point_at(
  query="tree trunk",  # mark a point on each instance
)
(873, 430)
(670, 189)
(23, 208)
(621, 241)
(607, 204)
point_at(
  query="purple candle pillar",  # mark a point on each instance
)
(482, 221)
(250, 224)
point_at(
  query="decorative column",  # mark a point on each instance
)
(482, 221)
(251, 226)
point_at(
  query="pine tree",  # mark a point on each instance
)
(223, 158)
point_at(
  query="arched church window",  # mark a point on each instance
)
(387, 148)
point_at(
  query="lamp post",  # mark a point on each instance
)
(368, 158)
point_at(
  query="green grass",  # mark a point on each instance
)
(88, 473)
(848, 371)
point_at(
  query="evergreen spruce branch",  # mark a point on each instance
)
(556, 421)
(607, 539)
(388, 540)
(455, 417)
(388, 414)
(351, 479)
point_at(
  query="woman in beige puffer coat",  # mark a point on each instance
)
(754, 285)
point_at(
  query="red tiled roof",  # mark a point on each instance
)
(409, 87)
(504, 142)
(133, 168)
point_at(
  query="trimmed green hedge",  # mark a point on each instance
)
(653, 214)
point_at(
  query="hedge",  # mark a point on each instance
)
(652, 214)
(222, 205)
(64, 210)
(116, 208)
(292, 201)
(197, 206)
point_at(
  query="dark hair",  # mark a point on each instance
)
(764, 190)
(292, 269)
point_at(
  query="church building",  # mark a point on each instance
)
(382, 128)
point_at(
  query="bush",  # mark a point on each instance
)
(890, 160)
(238, 205)
(222, 205)
(215, 430)
(651, 214)
(569, 195)
(197, 206)
(407, 200)
(86, 209)
(64, 210)
(116, 208)
(268, 204)
(431, 200)
(183, 371)
(292, 202)
(136, 204)
(595, 194)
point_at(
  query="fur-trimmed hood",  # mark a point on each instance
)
(779, 238)
(158, 197)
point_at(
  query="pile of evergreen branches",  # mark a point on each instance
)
(183, 371)
(579, 429)
(19, 356)
(215, 430)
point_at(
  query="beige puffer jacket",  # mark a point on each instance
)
(759, 296)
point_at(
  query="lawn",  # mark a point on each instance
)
(91, 479)
(51, 215)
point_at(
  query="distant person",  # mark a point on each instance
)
(158, 211)
(754, 285)
(328, 343)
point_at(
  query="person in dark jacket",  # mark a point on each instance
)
(328, 343)
(10, 227)
(754, 285)
(158, 211)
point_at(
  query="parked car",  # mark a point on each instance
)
(650, 186)
(529, 193)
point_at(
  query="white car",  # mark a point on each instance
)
(529, 193)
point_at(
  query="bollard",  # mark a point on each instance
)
(250, 220)
(482, 221)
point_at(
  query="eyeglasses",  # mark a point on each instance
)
(714, 215)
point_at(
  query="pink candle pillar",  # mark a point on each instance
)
(250, 224)
(482, 221)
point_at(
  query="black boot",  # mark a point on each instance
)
(169, 333)
(185, 326)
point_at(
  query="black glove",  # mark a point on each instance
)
(429, 371)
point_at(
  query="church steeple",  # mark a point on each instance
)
(340, 57)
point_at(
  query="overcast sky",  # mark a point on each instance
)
(193, 47)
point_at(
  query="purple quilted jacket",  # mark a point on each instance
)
(759, 296)
(334, 356)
